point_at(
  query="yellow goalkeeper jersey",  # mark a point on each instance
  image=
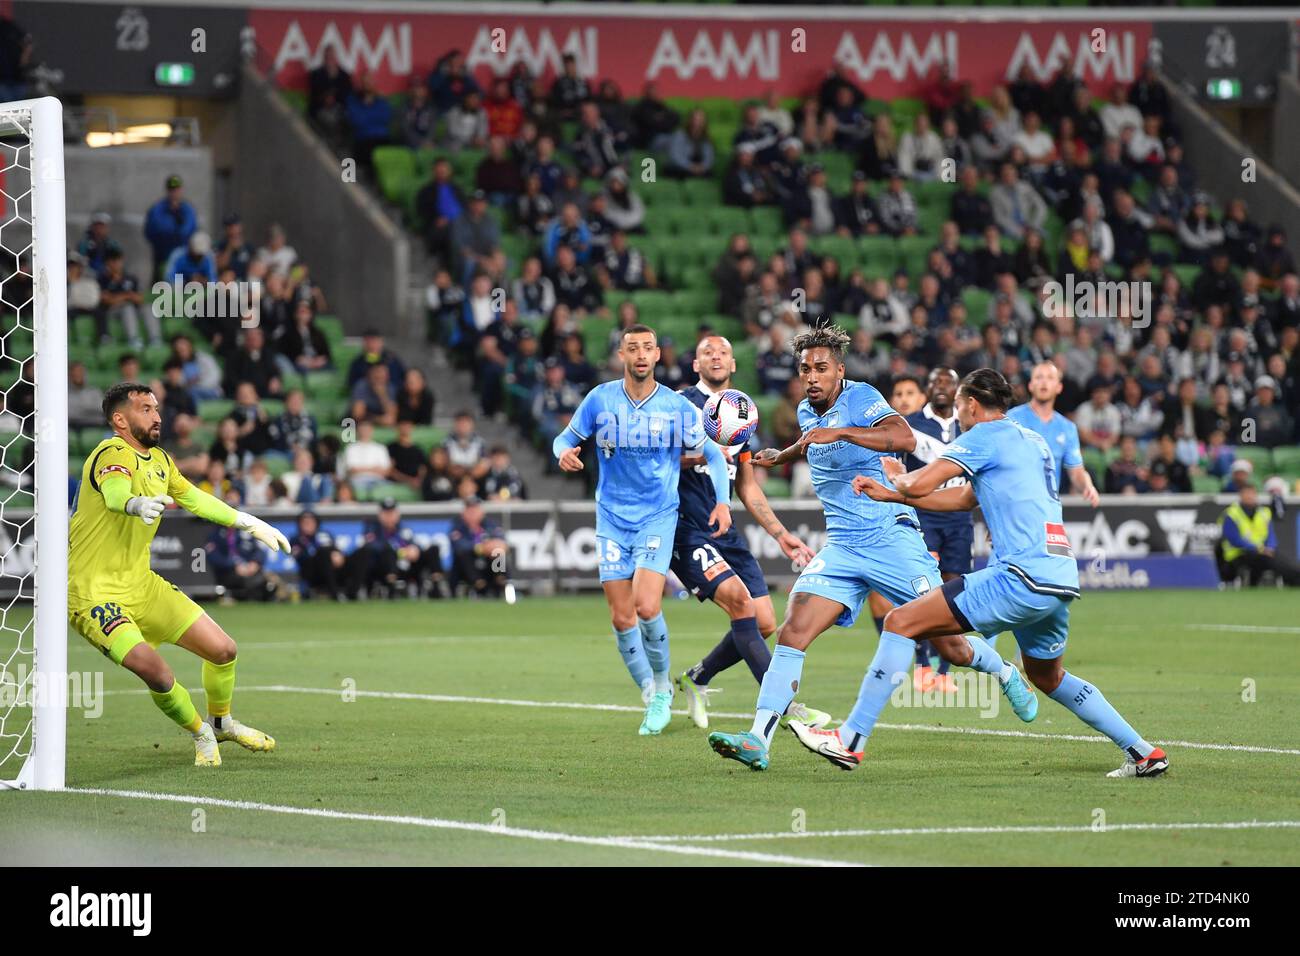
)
(108, 552)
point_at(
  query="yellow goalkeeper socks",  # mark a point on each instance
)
(176, 704)
(219, 685)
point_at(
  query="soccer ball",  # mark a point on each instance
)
(730, 418)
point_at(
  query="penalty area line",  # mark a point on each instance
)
(659, 845)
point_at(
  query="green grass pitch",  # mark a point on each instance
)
(465, 745)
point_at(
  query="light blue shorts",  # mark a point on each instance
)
(622, 550)
(996, 599)
(899, 568)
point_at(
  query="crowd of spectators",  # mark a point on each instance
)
(1220, 349)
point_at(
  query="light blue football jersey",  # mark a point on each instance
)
(639, 446)
(851, 519)
(1061, 435)
(1013, 474)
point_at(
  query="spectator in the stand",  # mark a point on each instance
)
(879, 155)
(365, 462)
(97, 244)
(479, 551)
(1016, 206)
(1274, 427)
(533, 292)
(653, 121)
(419, 118)
(504, 114)
(1216, 285)
(236, 560)
(304, 344)
(84, 400)
(408, 459)
(1169, 202)
(1249, 543)
(1099, 420)
(234, 251)
(295, 427)
(503, 480)
(415, 399)
(374, 398)
(168, 224)
(1273, 261)
(227, 451)
(437, 484)
(466, 449)
(746, 184)
(390, 562)
(438, 204)
(690, 149)
(121, 300)
(1130, 228)
(568, 231)
(1198, 233)
(1167, 474)
(252, 420)
(450, 81)
(856, 214)
(320, 563)
(254, 363)
(987, 144)
(971, 211)
(574, 288)
(845, 124)
(898, 210)
(1241, 235)
(954, 146)
(374, 352)
(466, 123)
(1030, 264)
(499, 175)
(534, 209)
(569, 89)
(329, 77)
(623, 208)
(202, 373)
(1125, 475)
(811, 207)
(1119, 114)
(627, 268)
(555, 401)
(371, 118)
(177, 402)
(192, 262)
(598, 147)
(475, 236)
(920, 151)
(278, 255)
(304, 485)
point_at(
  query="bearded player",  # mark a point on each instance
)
(721, 569)
(121, 606)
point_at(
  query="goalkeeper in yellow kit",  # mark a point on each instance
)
(122, 607)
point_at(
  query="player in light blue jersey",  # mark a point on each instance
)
(641, 429)
(848, 428)
(1039, 415)
(1027, 587)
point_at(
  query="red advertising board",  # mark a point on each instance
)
(705, 56)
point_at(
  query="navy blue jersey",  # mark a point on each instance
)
(933, 434)
(695, 491)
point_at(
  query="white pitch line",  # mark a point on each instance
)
(625, 708)
(957, 831)
(1244, 628)
(621, 843)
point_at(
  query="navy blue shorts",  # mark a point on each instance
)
(951, 544)
(702, 563)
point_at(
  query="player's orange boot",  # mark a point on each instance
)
(923, 678)
(945, 684)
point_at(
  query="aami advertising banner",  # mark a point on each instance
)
(1126, 544)
(710, 55)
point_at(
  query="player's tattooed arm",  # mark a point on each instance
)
(773, 458)
(921, 483)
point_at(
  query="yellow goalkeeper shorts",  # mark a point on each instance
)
(156, 612)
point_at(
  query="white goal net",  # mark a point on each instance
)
(33, 446)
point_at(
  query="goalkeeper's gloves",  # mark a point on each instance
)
(262, 531)
(147, 509)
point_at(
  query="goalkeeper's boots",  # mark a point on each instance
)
(657, 714)
(1020, 695)
(206, 753)
(816, 719)
(747, 748)
(1152, 765)
(250, 738)
(828, 744)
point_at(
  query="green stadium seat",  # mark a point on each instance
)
(1260, 457)
(701, 193)
(746, 377)
(766, 221)
(725, 220)
(664, 191)
(878, 256)
(1206, 484)
(215, 409)
(912, 253)
(695, 302)
(595, 336)
(977, 302)
(1286, 460)
(394, 165)
(842, 248)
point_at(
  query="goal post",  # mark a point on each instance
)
(34, 466)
